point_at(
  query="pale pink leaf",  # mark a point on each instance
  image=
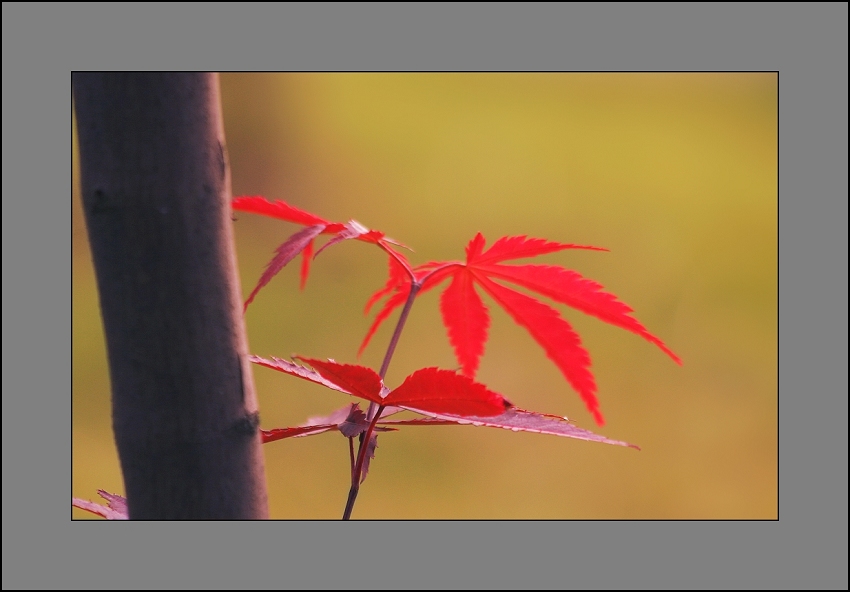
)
(516, 420)
(116, 508)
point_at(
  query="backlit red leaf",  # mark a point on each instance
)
(358, 380)
(444, 391)
(467, 321)
(431, 389)
(298, 242)
(558, 339)
(281, 433)
(570, 288)
(475, 247)
(295, 370)
(306, 258)
(466, 318)
(517, 247)
(303, 241)
(256, 204)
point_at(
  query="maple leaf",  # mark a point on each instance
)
(350, 421)
(426, 390)
(516, 420)
(443, 395)
(303, 241)
(467, 320)
(116, 508)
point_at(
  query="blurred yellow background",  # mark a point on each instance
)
(675, 173)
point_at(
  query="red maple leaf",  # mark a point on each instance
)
(351, 421)
(429, 390)
(303, 240)
(443, 396)
(514, 419)
(467, 320)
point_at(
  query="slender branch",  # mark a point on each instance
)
(371, 415)
(402, 319)
(358, 469)
(349, 504)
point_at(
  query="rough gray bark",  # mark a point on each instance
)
(156, 195)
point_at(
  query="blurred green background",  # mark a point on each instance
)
(675, 173)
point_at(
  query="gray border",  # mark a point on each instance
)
(806, 548)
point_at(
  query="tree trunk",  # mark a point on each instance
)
(156, 195)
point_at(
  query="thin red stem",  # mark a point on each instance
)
(358, 468)
(402, 319)
(351, 453)
(371, 415)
